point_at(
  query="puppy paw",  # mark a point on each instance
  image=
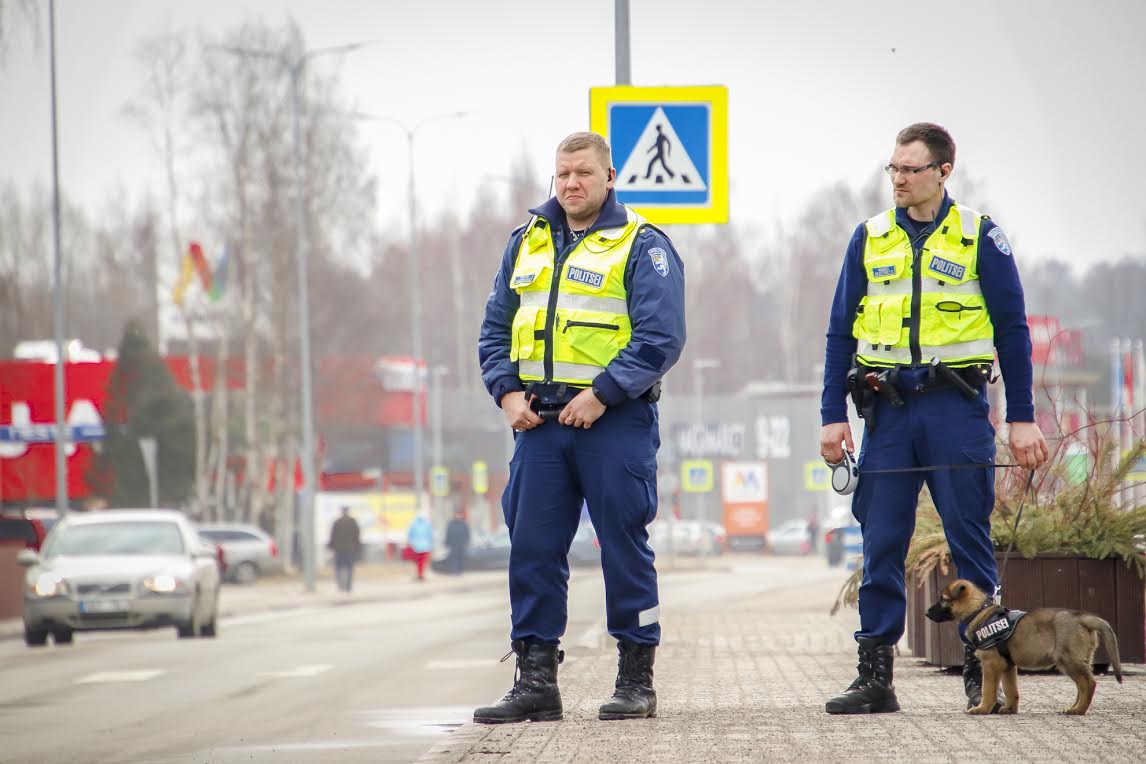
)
(980, 710)
(1009, 710)
(1072, 711)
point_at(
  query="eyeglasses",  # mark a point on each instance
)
(892, 170)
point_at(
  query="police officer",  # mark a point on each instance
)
(585, 317)
(927, 294)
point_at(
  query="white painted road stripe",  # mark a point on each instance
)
(470, 664)
(592, 638)
(119, 676)
(298, 672)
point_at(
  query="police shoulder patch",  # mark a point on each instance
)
(660, 260)
(1000, 240)
(522, 279)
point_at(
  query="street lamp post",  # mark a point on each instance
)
(295, 67)
(415, 290)
(699, 366)
(436, 449)
(58, 292)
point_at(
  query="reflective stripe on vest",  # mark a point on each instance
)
(954, 324)
(590, 323)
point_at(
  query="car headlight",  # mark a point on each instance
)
(48, 585)
(165, 584)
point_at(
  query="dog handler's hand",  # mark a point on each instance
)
(517, 412)
(831, 436)
(1028, 445)
(582, 411)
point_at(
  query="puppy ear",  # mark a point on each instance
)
(958, 590)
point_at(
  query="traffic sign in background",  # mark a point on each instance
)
(670, 148)
(696, 476)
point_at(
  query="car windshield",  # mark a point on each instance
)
(114, 539)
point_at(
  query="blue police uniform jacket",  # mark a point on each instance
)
(655, 303)
(1002, 293)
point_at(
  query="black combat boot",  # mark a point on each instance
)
(973, 680)
(633, 696)
(534, 695)
(872, 692)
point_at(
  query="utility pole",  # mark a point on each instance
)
(621, 42)
(58, 289)
(295, 67)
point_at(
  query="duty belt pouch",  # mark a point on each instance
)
(547, 399)
(653, 394)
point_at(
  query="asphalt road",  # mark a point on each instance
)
(377, 681)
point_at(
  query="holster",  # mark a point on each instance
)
(863, 397)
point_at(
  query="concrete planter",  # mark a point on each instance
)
(1106, 588)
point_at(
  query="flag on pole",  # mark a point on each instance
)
(187, 273)
(201, 266)
(219, 282)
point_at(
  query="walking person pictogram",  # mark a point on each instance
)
(663, 147)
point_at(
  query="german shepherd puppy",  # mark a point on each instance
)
(1043, 638)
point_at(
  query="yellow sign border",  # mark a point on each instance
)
(706, 485)
(716, 96)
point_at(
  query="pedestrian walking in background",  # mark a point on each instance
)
(585, 317)
(927, 295)
(346, 543)
(420, 539)
(813, 531)
(457, 541)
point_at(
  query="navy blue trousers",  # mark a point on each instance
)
(612, 468)
(932, 428)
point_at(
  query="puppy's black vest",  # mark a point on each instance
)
(995, 631)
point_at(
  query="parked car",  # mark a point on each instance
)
(29, 525)
(492, 552)
(248, 550)
(790, 537)
(687, 537)
(120, 569)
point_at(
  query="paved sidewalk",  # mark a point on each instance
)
(748, 683)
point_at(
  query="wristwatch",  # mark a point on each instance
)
(600, 395)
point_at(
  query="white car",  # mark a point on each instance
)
(248, 551)
(120, 569)
(791, 537)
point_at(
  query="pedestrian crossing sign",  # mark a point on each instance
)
(696, 476)
(670, 148)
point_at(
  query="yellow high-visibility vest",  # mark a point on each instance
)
(578, 325)
(943, 303)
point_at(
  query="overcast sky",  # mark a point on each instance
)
(1045, 98)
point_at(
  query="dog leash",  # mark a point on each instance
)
(937, 467)
(845, 476)
(1029, 487)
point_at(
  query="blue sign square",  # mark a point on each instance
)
(662, 152)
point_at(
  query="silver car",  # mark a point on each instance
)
(248, 551)
(120, 569)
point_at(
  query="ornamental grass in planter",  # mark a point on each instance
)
(1079, 509)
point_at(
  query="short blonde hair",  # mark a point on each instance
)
(586, 140)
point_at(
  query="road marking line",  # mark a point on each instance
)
(593, 637)
(472, 663)
(461, 664)
(298, 672)
(102, 677)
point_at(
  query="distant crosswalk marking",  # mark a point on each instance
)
(298, 672)
(108, 677)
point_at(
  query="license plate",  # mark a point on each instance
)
(103, 606)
